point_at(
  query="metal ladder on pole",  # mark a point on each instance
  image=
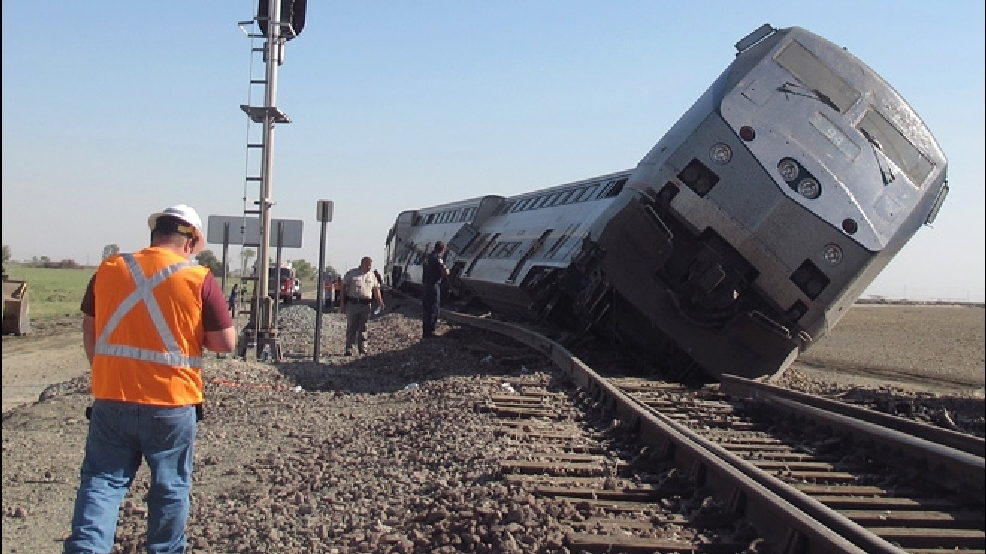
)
(261, 330)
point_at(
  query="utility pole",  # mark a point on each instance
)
(267, 327)
(279, 21)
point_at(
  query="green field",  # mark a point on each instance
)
(58, 292)
(51, 292)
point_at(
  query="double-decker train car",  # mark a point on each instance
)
(738, 241)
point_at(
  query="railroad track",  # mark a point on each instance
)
(650, 466)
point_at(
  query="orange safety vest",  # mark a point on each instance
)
(149, 329)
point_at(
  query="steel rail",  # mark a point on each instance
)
(955, 469)
(778, 511)
(747, 388)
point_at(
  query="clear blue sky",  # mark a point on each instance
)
(113, 110)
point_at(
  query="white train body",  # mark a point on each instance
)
(740, 239)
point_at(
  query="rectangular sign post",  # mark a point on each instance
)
(246, 231)
(323, 214)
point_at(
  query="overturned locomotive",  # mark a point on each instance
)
(741, 237)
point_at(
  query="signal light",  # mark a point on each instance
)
(292, 13)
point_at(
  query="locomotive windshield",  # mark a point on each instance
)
(818, 78)
(887, 139)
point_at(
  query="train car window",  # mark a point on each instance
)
(538, 202)
(565, 196)
(887, 139)
(613, 188)
(504, 249)
(823, 83)
(429, 218)
(561, 240)
(589, 192)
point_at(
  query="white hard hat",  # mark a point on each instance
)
(186, 214)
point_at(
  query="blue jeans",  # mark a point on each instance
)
(120, 435)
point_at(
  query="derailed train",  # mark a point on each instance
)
(738, 241)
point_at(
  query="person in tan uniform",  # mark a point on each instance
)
(360, 289)
(147, 318)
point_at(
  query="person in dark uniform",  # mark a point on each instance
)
(234, 296)
(432, 274)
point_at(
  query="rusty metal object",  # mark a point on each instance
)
(16, 317)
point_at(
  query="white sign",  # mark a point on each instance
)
(246, 231)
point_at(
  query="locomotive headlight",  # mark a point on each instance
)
(721, 153)
(832, 254)
(789, 169)
(809, 188)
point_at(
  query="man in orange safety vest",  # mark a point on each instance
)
(147, 318)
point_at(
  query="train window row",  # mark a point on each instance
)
(504, 249)
(458, 215)
(560, 197)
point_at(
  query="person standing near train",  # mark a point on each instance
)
(148, 316)
(360, 289)
(234, 297)
(433, 273)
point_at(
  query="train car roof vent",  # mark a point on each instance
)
(749, 40)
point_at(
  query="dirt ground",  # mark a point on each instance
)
(906, 350)
(936, 349)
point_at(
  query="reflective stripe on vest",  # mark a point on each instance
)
(145, 293)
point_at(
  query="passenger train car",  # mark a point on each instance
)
(738, 241)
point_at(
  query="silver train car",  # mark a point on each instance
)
(738, 241)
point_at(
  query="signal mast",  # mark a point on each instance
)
(286, 23)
